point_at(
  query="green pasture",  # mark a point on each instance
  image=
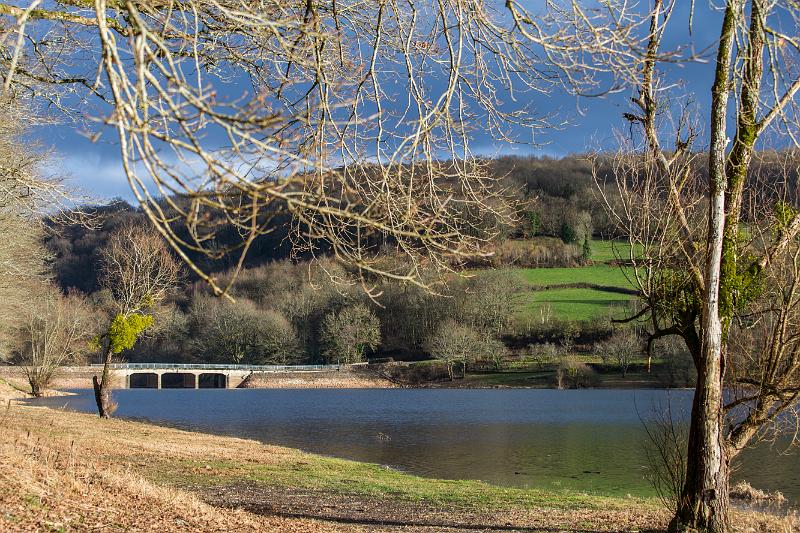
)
(604, 275)
(571, 304)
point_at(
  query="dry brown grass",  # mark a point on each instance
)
(42, 490)
(746, 492)
(52, 481)
(9, 391)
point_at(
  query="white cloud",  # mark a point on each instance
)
(95, 174)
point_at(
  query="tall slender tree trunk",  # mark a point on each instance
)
(102, 387)
(704, 501)
(704, 498)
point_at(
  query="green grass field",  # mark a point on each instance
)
(552, 295)
(572, 303)
(605, 275)
(604, 251)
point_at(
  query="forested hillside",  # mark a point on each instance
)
(554, 280)
(551, 198)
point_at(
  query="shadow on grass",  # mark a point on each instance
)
(360, 510)
(437, 524)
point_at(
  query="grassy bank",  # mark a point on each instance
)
(545, 378)
(65, 471)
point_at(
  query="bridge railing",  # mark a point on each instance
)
(253, 368)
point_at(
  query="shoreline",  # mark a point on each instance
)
(81, 378)
(217, 479)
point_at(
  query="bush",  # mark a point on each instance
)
(620, 350)
(539, 252)
(415, 374)
(574, 374)
(665, 450)
(678, 368)
(454, 342)
(543, 354)
(568, 233)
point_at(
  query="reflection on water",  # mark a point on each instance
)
(589, 440)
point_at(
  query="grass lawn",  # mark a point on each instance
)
(605, 275)
(572, 304)
(577, 304)
(604, 251)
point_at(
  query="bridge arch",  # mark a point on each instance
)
(212, 380)
(178, 380)
(143, 380)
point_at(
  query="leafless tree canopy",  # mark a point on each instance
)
(24, 194)
(336, 111)
(54, 331)
(137, 269)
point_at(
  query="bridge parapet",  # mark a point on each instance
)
(201, 366)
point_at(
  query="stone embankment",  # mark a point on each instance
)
(344, 379)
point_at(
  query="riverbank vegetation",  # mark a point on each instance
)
(58, 468)
(294, 310)
(541, 289)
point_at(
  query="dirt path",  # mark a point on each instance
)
(381, 514)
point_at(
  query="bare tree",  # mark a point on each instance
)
(453, 342)
(494, 350)
(665, 451)
(348, 333)
(22, 271)
(139, 271)
(708, 235)
(703, 271)
(759, 363)
(55, 331)
(25, 196)
(622, 348)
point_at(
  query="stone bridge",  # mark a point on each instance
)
(200, 376)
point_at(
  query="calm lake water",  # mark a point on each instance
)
(590, 440)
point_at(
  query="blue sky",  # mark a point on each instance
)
(95, 168)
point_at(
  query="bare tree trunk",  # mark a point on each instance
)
(35, 390)
(704, 500)
(102, 387)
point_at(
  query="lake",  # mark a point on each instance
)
(589, 440)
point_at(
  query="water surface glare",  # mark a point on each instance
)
(589, 440)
